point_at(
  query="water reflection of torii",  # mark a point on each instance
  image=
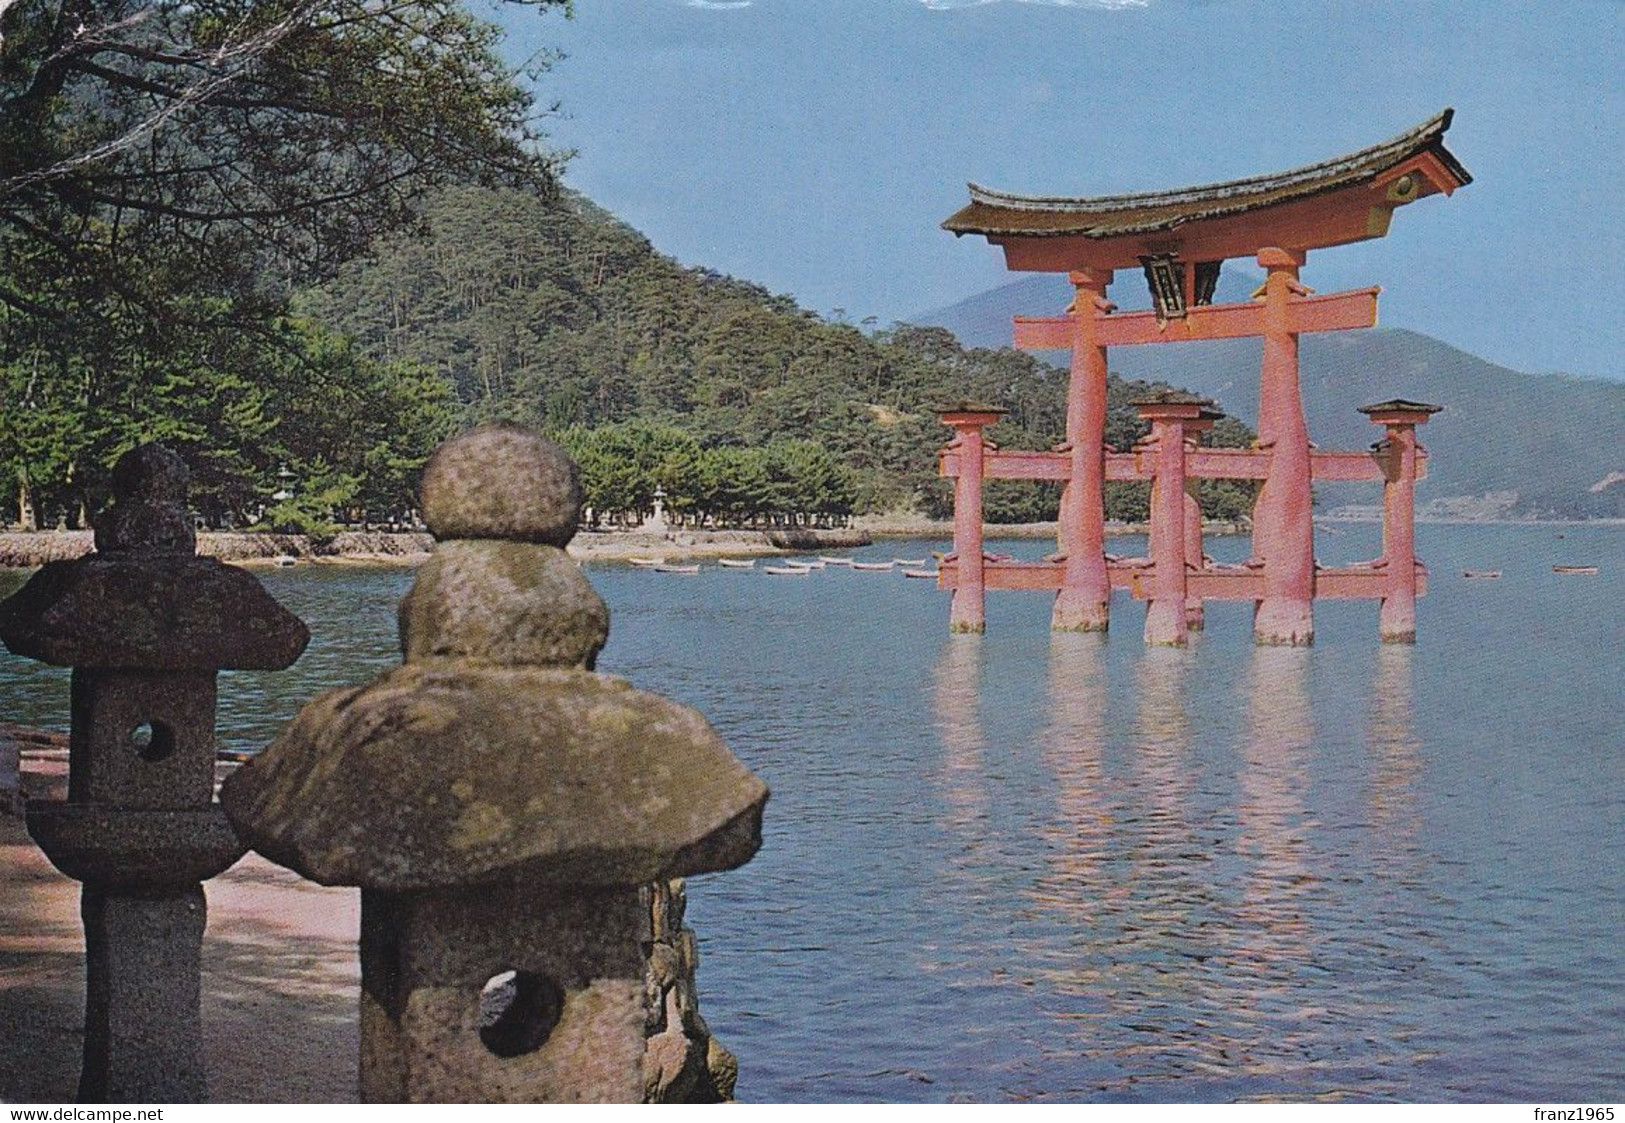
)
(1171, 965)
(1181, 240)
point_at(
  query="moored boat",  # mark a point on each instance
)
(834, 561)
(684, 570)
(931, 573)
(873, 566)
(911, 562)
(786, 570)
(1574, 569)
(646, 563)
(1480, 573)
(737, 563)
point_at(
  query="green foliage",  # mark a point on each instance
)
(784, 481)
(169, 171)
(246, 141)
(741, 405)
(310, 511)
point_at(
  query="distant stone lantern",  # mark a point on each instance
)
(657, 520)
(284, 489)
(506, 813)
(145, 625)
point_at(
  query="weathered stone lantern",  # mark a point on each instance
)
(145, 625)
(509, 815)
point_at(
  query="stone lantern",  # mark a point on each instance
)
(145, 624)
(510, 816)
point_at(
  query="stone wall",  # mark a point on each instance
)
(22, 550)
(682, 1062)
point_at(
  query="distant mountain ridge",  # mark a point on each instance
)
(1507, 443)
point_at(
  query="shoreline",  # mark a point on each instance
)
(22, 550)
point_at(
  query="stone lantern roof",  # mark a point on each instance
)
(143, 601)
(440, 775)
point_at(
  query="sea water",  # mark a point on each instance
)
(1027, 866)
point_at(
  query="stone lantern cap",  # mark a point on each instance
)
(1400, 406)
(1168, 397)
(439, 774)
(494, 755)
(142, 601)
(967, 406)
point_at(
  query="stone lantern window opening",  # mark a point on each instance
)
(152, 740)
(518, 1012)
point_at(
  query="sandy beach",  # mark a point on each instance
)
(280, 975)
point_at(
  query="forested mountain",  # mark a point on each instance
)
(558, 315)
(1507, 443)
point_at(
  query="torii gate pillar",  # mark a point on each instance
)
(967, 612)
(1083, 603)
(1396, 620)
(1283, 520)
(1166, 614)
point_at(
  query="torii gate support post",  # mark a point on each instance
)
(967, 613)
(1165, 615)
(1083, 603)
(1396, 621)
(1195, 556)
(1283, 521)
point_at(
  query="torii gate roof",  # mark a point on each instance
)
(1345, 199)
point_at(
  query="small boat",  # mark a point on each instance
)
(737, 563)
(786, 570)
(1574, 569)
(931, 573)
(284, 560)
(999, 557)
(684, 570)
(1480, 573)
(646, 563)
(873, 566)
(834, 561)
(806, 564)
(909, 561)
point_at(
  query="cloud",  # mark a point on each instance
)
(1097, 5)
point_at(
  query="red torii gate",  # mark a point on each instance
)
(1180, 239)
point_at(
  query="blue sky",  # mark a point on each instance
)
(814, 146)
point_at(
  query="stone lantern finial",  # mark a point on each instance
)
(148, 515)
(502, 502)
(508, 814)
